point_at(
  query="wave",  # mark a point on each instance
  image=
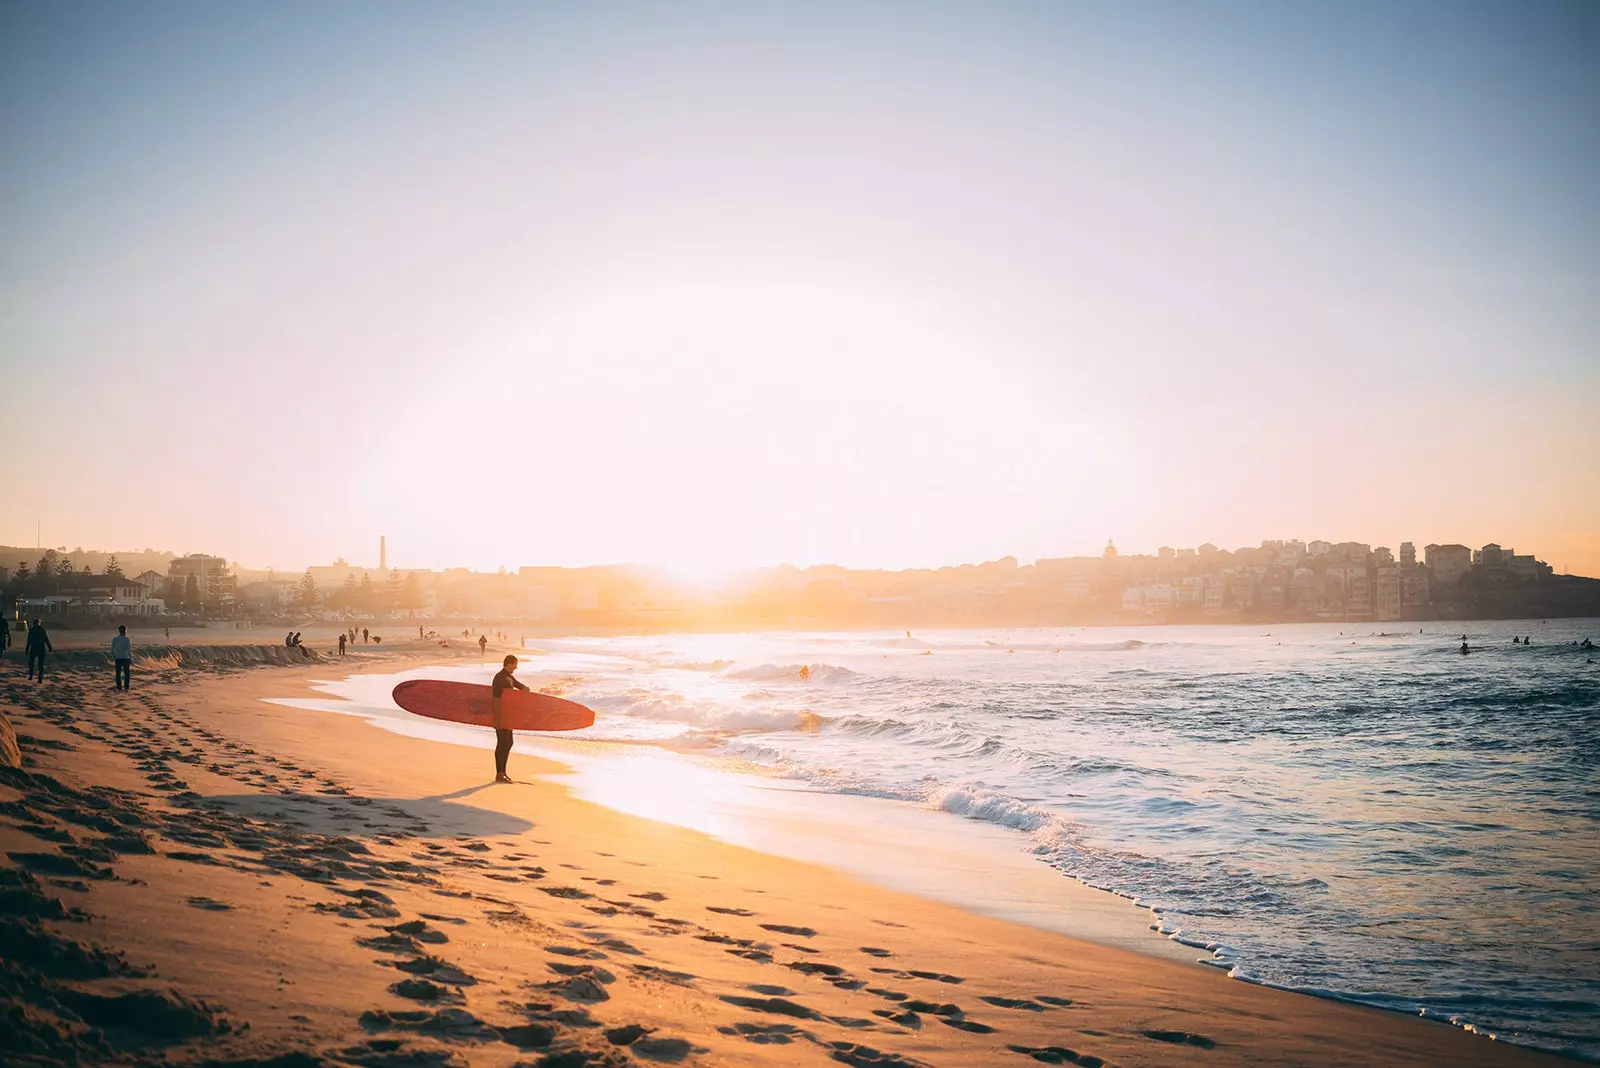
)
(705, 715)
(812, 672)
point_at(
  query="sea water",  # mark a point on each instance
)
(1353, 810)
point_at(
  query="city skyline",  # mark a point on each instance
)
(703, 286)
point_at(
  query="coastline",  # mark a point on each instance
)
(699, 966)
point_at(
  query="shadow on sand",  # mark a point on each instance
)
(354, 816)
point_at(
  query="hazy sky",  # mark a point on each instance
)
(879, 284)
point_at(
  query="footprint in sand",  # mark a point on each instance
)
(859, 1056)
(776, 1006)
(435, 969)
(424, 990)
(1181, 1038)
(1057, 1055)
(728, 912)
(650, 971)
(783, 928)
(576, 951)
(766, 1034)
(209, 904)
(875, 951)
(1014, 1003)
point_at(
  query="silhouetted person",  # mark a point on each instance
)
(341, 644)
(504, 679)
(1465, 649)
(483, 645)
(37, 646)
(1515, 640)
(364, 635)
(420, 635)
(288, 640)
(5, 636)
(122, 658)
(167, 631)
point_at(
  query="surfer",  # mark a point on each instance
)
(504, 679)
(1465, 649)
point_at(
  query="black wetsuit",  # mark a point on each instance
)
(503, 681)
(38, 645)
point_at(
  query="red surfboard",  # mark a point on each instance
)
(467, 702)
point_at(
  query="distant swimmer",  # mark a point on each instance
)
(805, 672)
(1587, 644)
(1516, 641)
(1465, 649)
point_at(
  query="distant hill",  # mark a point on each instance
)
(132, 561)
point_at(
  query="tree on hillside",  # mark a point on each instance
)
(395, 593)
(63, 567)
(346, 596)
(46, 567)
(307, 595)
(114, 568)
(23, 574)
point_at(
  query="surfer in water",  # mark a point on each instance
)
(504, 679)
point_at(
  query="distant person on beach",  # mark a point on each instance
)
(419, 632)
(37, 645)
(364, 634)
(5, 636)
(504, 679)
(483, 644)
(122, 658)
(288, 640)
(167, 633)
(341, 644)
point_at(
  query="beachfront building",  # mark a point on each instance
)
(1388, 594)
(107, 596)
(1447, 564)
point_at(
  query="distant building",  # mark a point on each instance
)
(1388, 594)
(1528, 567)
(197, 564)
(1408, 554)
(1447, 564)
(1318, 548)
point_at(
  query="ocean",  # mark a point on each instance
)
(1352, 810)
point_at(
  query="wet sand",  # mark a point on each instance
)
(193, 874)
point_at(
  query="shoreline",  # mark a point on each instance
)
(988, 982)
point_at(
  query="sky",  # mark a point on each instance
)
(716, 285)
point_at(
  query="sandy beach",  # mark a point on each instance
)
(193, 874)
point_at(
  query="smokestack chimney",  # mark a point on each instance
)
(383, 553)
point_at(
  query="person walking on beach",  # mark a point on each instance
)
(483, 645)
(5, 637)
(363, 635)
(122, 658)
(341, 644)
(37, 645)
(504, 679)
